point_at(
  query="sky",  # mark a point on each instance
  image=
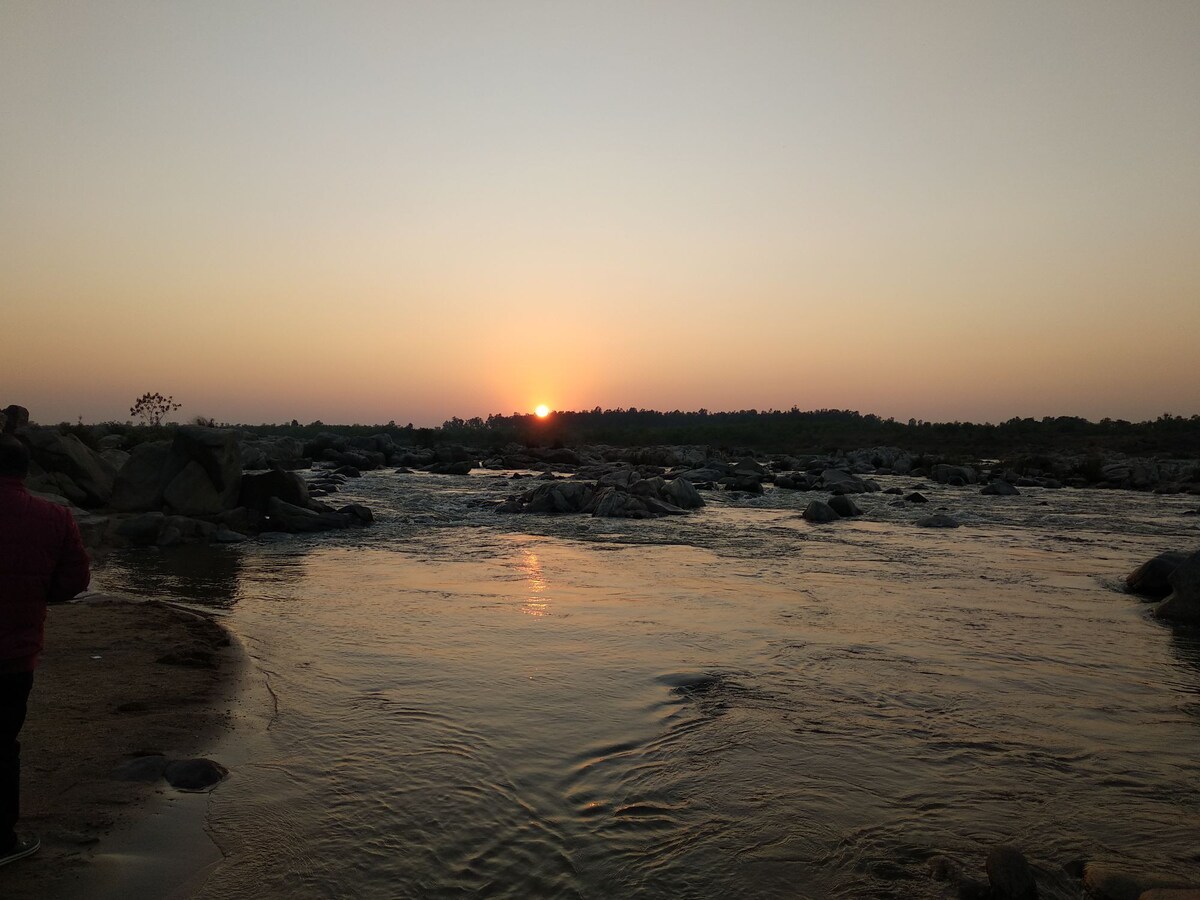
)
(374, 211)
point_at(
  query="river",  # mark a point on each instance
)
(731, 704)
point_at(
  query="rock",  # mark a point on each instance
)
(1109, 883)
(146, 769)
(1153, 578)
(938, 520)
(945, 474)
(844, 506)
(139, 484)
(192, 493)
(170, 536)
(348, 471)
(216, 451)
(142, 530)
(15, 417)
(115, 458)
(916, 497)
(194, 774)
(293, 519)
(683, 494)
(703, 475)
(748, 483)
(837, 478)
(111, 442)
(258, 489)
(359, 513)
(617, 504)
(1000, 488)
(819, 513)
(463, 467)
(225, 535)
(1009, 874)
(67, 454)
(59, 483)
(1183, 604)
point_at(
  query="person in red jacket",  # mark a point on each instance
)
(42, 561)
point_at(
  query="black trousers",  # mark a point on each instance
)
(14, 695)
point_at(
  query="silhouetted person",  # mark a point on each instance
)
(42, 561)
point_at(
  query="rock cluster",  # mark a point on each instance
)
(623, 495)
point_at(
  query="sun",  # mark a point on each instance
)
(542, 411)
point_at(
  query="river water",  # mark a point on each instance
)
(731, 704)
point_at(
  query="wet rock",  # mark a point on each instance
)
(916, 497)
(226, 535)
(145, 769)
(844, 506)
(1009, 874)
(1000, 488)
(194, 774)
(1183, 604)
(938, 520)
(819, 513)
(1153, 578)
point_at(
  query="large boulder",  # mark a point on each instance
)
(1183, 604)
(216, 451)
(139, 484)
(192, 493)
(14, 417)
(1153, 578)
(682, 493)
(258, 489)
(199, 473)
(69, 455)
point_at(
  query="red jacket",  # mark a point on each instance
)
(42, 561)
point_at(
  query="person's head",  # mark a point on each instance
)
(14, 457)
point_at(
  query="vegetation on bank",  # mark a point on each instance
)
(771, 431)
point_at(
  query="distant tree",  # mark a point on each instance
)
(151, 408)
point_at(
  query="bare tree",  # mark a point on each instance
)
(151, 408)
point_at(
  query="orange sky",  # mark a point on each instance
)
(377, 211)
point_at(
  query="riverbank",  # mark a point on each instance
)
(118, 679)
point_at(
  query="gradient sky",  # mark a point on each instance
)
(364, 211)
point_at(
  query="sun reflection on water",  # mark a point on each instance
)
(531, 567)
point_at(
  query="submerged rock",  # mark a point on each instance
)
(938, 520)
(1000, 488)
(1105, 882)
(194, 774)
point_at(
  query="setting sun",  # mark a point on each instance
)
(542, 411)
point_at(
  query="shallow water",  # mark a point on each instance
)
(729, 704)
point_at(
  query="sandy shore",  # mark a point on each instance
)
(118, 679)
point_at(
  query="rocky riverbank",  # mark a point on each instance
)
(122, 687)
